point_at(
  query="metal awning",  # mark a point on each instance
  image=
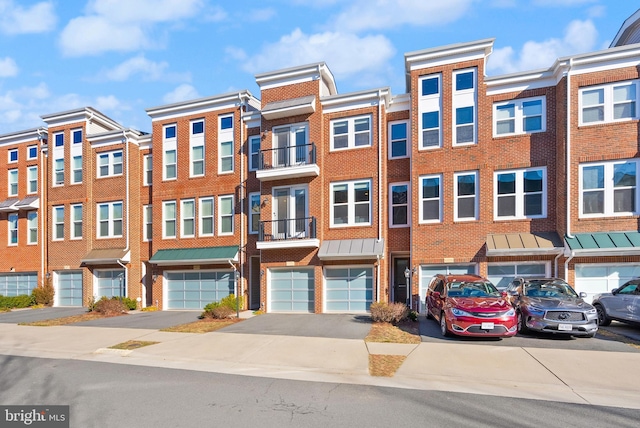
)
(28, 203)
(288, 108)
(604, 244)
(8, 205)
(523, 244)
(193, 256)
(351, 249)
(106, 256)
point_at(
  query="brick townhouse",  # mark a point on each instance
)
(307, 200)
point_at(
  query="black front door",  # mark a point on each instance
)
(399, 280)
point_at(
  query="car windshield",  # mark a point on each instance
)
(472, 289)
(549, 289)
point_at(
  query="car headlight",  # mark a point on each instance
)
(511, 312)
(535, 310)
(459, 313)
(592, 311)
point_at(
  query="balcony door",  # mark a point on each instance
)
(290, 213)
(291, 146)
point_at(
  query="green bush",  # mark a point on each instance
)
(131, 304)
(389, 312)
(43, 295)
(12, 302)
(109, 307)
(224, 308)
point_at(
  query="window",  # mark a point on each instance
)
(502, 274)
(226, 122)
(147, 179)
(58, 172)
(77, 136)
(76, 169)
(170, 164)
(147, 217)
(430, 209)
(58, 223)
(351, 133)
(169, 219)
(351, 203)
(205, 214)
(254, 212)
(225, 216)
(32, 152)
(466, 196)
(110, 220)
(13, 155)
(32, 179)
(431, 129)
(399, 205)
(520, 194)
(197, 148)
(519, 116)
(76, 221)
(32, 225)
(464, 104)
(226, 156)
(13, 182)
(398, 141)
(188, 216)
(290, 144)
(170, 132)
(58, 140)
(225, 145)
(254, 156)
(12, 219)
(609, 103)
(430, 106)
(609, 189)
(169, 156)
(430, 86)
(110, 164)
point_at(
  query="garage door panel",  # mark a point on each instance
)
(194, 290)
(304, 296)
(302, 306)
(69, 289)
(349, 289)
(338, 294)
(602, 278)
(292, 290)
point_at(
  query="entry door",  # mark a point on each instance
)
(282, 147)
(290, 144)
(254, 287)
(290, 213)
(399, 280)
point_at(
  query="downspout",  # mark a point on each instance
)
(236, 276)
(43, 207)
(568, 151)
(566, 266)
(378, 279)
(127, 196)
(555, 264)
(242, 196)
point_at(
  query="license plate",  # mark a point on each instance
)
(487, 326)
(565, 327)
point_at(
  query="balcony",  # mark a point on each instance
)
(288, 233)
(288, 162)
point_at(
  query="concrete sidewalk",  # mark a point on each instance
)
(585, 377)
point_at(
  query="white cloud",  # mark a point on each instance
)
(148, 70)
(99, 35)
(109, 103)
(580, 37)
(16, 19)
(562, 3)
(181, 93)
(260, 15)
(8, 67)
(140, 11)
(346, 54)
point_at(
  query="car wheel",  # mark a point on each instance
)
(603, 319)
(522, 325)
(443, 326)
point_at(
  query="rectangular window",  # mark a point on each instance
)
(147, 220)
(254, 156)
(464, 125)
(466, 196)
(170, 132)
(398, 139)
(12, 220)
(169, 219)
(32, 180)
(225, 145)
(13, 182)
(430, 106)
(290, 146)
(58, 140)
(399, 205)
(430, 86)
(430, 129)
(169, 153)
(58, 171)
(32, 152)
(351, 133)
(502, 274)
(58, 223)
(609, 103)
(188, 216)
(110, 164)
(516, 117)
(76, 170)
(430, 199)
(77, 136)
(226, 156)
(254, 212)
(110, 220)
(609, 189)
(520, 194)
(76, 221)
(205, 214)
(13, 156)
(32, 224)
(351, 203)
(148, 170)
(170, 165)
(225, 216)
(197, 148)
(464, 107)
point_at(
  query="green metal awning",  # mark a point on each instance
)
(605, 243)
(195, 256)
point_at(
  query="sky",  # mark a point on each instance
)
(122, 57)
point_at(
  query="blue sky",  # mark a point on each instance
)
(124, 56)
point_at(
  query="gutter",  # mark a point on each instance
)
(242, 194)
(378, 279)
(128, 204)
(568, 152)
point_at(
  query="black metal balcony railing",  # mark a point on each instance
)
(287, 229)
(284, 157)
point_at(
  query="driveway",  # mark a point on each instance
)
(28, 315)
(156, 320)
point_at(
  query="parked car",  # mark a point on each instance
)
(551, 305)
(469, 305)
(622, 304)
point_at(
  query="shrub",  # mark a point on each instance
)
(413, 316)
(131, 304)
(43, 295)
(230, 301)
(222, 312)
(224, 308)
(389, 312)
(109, 307)
(20, 301)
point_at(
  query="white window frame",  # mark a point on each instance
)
(202, 217)
(465, 98)
(58, 173)
(110, 165)
(74, 133)
(169, 145)
(608, 189)
(196, 141)
(252, 199)
(351, 132)
(76, 169)
(32, 225)
(406, 139)
(222, 215)
(29, 149)
(111, 219)
(12, 229)
(61, 139)
(519, 116)
(147, 223)
(407, 204)
(608, 102)
(11, 152)
(184, 218)
(422, 198)
(32, 180)
(74, 220)
(519, 194)
(431, 103)
(166, 220)
(254, 155)
(57, 211)
(457, 198)
(147, 170)
(226, 138)
(351, 203)
(12, 182)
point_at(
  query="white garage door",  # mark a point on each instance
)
(15, 284)
(292, 290)
(194, 290)
(349, 289)
(602, 278)
(428, 271)
(69, 288)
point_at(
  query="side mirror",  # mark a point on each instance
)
(615, 291)
(582, 294)
(503, 293)
(436, 295)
